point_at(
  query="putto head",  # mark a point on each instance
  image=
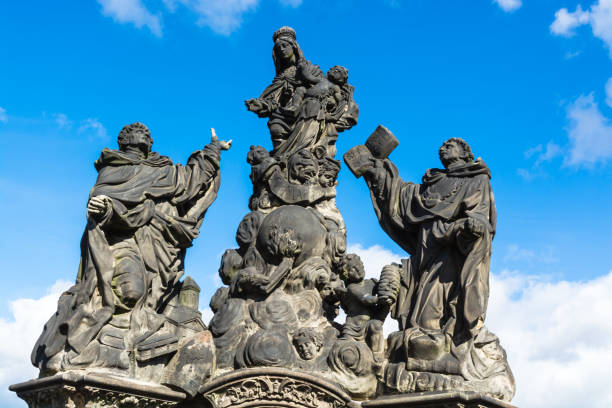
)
(338, 75)
(352, 269)
(135, 135)
(307, 342)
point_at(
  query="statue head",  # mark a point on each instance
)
(353, 270)
(328, 172)
(338, 75)
(303, 167)
(136, 135)
(286, 50)
(247, 229)
(256, 155)
(455, 151)
(307, 342)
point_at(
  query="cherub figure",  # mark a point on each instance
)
(365, 311)
(318, 100)
(307, 342)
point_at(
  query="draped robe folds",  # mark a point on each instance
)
(156, 209)
(445, 283)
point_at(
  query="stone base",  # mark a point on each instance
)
(246, 388)
(76, 389)
(437, 400)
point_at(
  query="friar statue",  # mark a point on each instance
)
(142, 214)
(446, 224)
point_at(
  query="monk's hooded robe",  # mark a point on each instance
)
(155, 213)
(445, 283)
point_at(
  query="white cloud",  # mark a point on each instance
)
(222, 16)
(62, 120)
(93, 127)
(601, 21)
(132, 11)
(542, 154)
(589, 132)
(599, 16)
(509, 5)
(3, 116)
(18, 336)
(565, 22)
(609, 92)
(558, 337)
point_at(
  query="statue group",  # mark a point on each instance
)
(130, 316)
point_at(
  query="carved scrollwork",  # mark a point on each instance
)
(268, 389)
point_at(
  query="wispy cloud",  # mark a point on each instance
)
(509, 5)
(62, 121)
(222, 16)
(133, 12)
(609, 92)
(589, 132)
(94, 128)
(517, 253)
(541, 154)
(3, 115)
(598, 16)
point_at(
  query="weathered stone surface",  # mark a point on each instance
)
(128, 312)
(273, 340)
(446, 224)
(77, 389)
(437, 400)
(274, 387)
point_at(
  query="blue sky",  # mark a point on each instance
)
(526, 84)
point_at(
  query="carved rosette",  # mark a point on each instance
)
(273, 387)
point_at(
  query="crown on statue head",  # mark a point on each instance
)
(285, 31)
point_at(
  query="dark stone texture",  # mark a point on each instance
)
(437, 400)
(446, 224)
(273, 340)
(85, 390)
(128, 312)
(274, 387)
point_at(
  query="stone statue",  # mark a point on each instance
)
(446, 224)
(306, 108)
(128, 309)
(129, 332)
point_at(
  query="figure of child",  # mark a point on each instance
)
(307, 342)
(319, 99)
(365, 310)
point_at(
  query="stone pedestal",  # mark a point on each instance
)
(82, 390)
(437, 400)
(247, 388)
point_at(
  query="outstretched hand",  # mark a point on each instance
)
(221, 143)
